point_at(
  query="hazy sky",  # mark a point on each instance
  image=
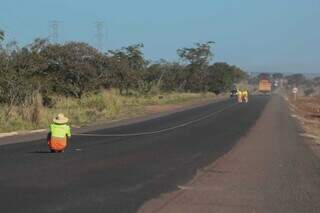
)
(257, 35)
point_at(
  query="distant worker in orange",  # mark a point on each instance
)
(245, 96)
(239, 96)
(59, 132)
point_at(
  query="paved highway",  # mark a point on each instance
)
(120, 174)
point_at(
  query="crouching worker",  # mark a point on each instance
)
(59, 132)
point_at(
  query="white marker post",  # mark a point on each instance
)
(294, 92)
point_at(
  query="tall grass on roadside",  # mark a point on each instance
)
(27, 116)
(31, 110)
(91, 108)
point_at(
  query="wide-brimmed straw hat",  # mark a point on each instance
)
(60, 119)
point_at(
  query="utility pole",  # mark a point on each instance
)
(54, 31)
(99, 27)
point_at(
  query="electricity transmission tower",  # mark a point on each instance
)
(100, 34)
(54, 31)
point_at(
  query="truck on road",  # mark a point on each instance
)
(265, 86)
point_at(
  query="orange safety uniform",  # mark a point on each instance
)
(57, 137)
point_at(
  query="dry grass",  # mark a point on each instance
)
(92, 108)
(307, 110)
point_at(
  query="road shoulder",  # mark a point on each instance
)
(306, 111)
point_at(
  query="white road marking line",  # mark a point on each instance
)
(162, 130)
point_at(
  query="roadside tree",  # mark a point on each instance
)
(197, 59)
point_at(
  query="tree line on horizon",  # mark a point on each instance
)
(75, 69)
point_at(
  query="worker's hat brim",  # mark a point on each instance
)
(60, 120)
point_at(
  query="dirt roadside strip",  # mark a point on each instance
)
(305, 110)
(269, 170)
(151, 112)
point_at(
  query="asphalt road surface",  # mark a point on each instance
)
(120, 174)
